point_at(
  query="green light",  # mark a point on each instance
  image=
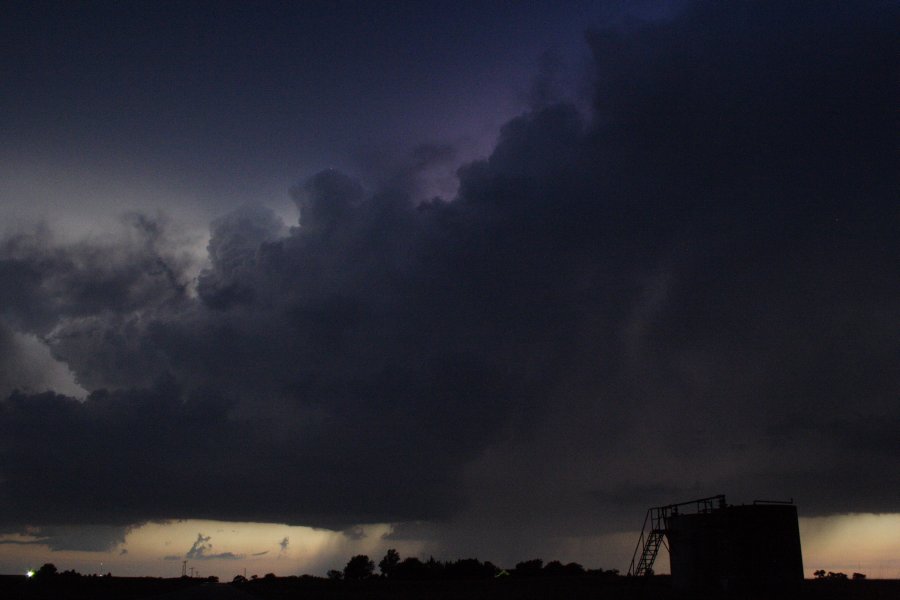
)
(30, 573)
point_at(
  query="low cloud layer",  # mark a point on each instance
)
(689, 291)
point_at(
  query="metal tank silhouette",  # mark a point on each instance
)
(716, 546)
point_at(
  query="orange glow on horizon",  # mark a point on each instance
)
(864, 543)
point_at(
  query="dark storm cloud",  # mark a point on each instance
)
(46, 279)
(355, 533)
(93, 538)
(200, 550)
(72, 294)
(97, 538)
(201, 547)
(689, 291)
(14, 367)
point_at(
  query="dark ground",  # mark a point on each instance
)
(658, 588)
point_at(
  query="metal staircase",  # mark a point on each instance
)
(654, 531)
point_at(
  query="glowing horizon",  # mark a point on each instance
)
(860, 542)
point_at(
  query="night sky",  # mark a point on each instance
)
(477, 279)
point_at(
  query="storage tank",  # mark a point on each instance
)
(755, 547)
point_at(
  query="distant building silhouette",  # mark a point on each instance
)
(716, 546)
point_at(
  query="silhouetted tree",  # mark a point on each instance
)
(410, 568)
(858, 576)
(239, 579)
(554, 568)
(573, 568)
(389, 562)
(359, 567)
(608, 573)
(820, 574)
(528, 568)
(46, 571)
(435, 568)
(469, 568)
(269, 576)
(334, 575)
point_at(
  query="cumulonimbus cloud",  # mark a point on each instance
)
(691, 289)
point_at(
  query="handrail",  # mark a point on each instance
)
(640, 544)
(658, 517)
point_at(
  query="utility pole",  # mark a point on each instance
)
(184, 568)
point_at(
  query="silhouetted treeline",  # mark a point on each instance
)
(48, 583)
(49, 572)
(411, 568)
(412, 578)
